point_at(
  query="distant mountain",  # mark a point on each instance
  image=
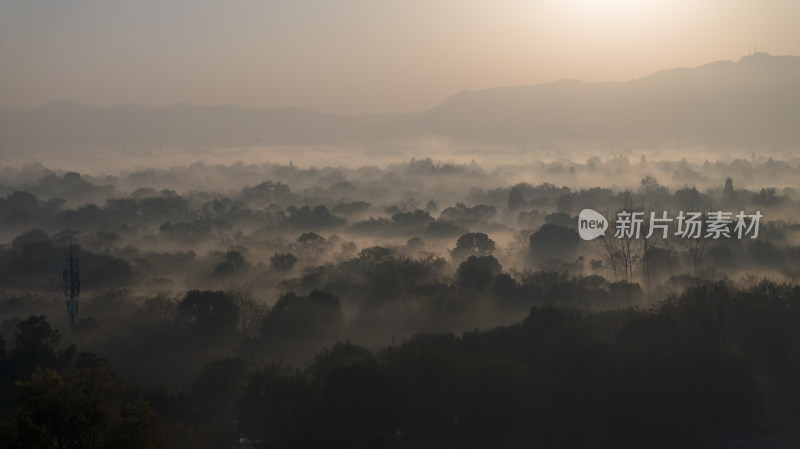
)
(755, 101)
(752, 102)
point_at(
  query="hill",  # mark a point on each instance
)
(753, 102)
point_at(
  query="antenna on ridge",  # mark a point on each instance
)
(72, 283)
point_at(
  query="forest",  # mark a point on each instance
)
(418, 304)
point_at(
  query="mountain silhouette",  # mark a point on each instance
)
(753, 102)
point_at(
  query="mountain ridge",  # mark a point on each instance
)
(754, 102)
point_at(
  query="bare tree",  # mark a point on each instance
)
(696, 248)
(611, 247)
(627, 250)
(646, 246)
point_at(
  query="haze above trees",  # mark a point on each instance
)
(754, 102)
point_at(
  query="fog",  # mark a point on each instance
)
(359, 57)
(262, 256)
(211, 225)
(285, 278)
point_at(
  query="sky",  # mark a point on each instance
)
(360, 56)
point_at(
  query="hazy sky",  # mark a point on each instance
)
(357, 56)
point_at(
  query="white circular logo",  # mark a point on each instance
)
(591, 224)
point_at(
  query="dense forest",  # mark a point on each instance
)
(417, 304)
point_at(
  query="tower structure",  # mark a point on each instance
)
(72, 283)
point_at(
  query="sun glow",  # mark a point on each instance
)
(614, 9)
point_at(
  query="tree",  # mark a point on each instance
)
(35, 346)
(83, 409)
(611, 246)
(234, 261)
(414, 244)
(319, 313)
(461, 214)
(34, 236)
(472, 244)
(552, 241)
(375, 254)
(35, 338)
(279, 408)
(207, 315)
(564, 204)
(728, 193)
(515, 199)
(160, 308)
(477, 273)
(283, 261)
(768, 197)
(218, 390)
(311, 245)
(266, 192)
(20, 207)
(317, 218)
(412, 220)
(251, 312)
(559, 218)
(357, 395)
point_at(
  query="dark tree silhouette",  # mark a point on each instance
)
(515, 199)
(283, 261)
(472, 244)
(478, 273)
(319, 313)
(552, 241)
(204, 316)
